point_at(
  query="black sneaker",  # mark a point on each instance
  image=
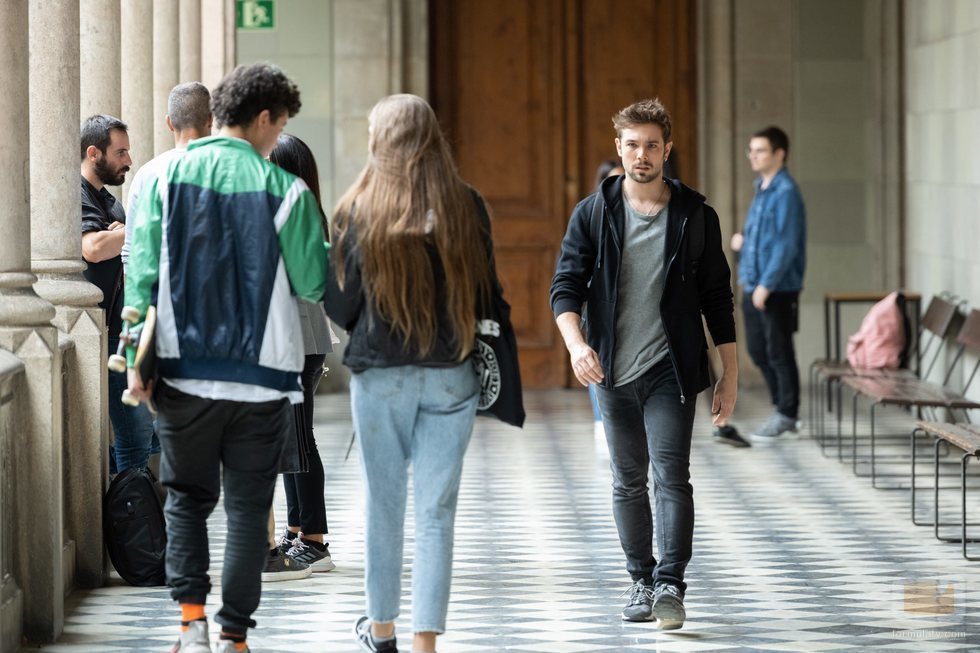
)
(311, 554)
(668, 607)
(640, 604)
(286, 541)
(279, 566)
(364, 639)
(728, 434)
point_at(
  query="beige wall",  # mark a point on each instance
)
(942, 102)
(823, 70)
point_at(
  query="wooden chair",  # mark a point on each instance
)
(966, 438)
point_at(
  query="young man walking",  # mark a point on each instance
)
(222, 241)
(645, 253)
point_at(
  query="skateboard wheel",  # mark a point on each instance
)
(130, 314)
(129, 398)
(117, 363)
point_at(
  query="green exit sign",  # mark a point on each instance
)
(255, 14)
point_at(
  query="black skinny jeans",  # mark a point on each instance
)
(769, 335)
(645, 420)
(304, 492)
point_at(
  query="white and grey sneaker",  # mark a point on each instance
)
(194, 639)
(639, 607)
(777, 427)
(310, 554)
(668, 607)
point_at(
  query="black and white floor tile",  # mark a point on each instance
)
(792, 553)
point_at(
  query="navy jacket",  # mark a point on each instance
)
(588, 271)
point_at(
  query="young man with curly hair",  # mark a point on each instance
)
(222, 242)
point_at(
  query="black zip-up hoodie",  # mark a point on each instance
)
(588, 271)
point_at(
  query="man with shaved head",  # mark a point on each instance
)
(188, 117)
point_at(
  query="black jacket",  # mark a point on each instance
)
(373, 341)
(588, 271)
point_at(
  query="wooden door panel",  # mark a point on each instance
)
(498, 93)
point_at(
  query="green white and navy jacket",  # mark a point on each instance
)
(221, 244)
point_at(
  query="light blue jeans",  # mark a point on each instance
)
(423, 417)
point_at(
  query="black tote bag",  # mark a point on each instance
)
(495, 350)
(495, 360)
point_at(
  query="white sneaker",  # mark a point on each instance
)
(229, 647)
(777, 427)
(194, 639)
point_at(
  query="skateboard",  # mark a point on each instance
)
(143, 340)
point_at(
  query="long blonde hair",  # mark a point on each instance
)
(408, 197)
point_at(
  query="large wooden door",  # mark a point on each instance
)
(525, 90)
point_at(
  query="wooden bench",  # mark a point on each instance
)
(966, 438)
(914, 393)
(935, 323)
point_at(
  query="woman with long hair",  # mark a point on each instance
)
(411, 264)
(303, 539)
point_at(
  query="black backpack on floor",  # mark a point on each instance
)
(134, 529)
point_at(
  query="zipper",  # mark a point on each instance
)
(619, 264)
(670, 264)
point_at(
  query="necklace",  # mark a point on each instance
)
(660, 197)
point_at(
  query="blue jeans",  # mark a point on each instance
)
(423, 417)
(645, 420)
(135, 438)
(596, 413)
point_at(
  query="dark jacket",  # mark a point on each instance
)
(588, 271)
(373, 342)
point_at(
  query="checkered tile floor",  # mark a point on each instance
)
(792, 553)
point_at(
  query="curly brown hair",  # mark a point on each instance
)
(247, 91)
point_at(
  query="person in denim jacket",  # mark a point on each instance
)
(770, 271)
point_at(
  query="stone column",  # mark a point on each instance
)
(166, 60)
(57, 260)
(99, 56)
(190, 40)
(137, 81)
(36, 456)
(217, 40)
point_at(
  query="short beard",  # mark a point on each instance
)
(645, 178)
(107, 175)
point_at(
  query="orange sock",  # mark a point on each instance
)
(190, 612)
(237, 640)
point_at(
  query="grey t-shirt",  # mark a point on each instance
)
(640, 339)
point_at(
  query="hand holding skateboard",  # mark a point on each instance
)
(143, 341)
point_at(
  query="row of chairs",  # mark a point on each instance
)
(949, 425)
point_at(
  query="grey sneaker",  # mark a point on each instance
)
(194, 639)
(225, 646)
(279, 566)
(284, 542)
(364, 639)
(777, 427)
(639, 607)
(309, 554)
(668, 607)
